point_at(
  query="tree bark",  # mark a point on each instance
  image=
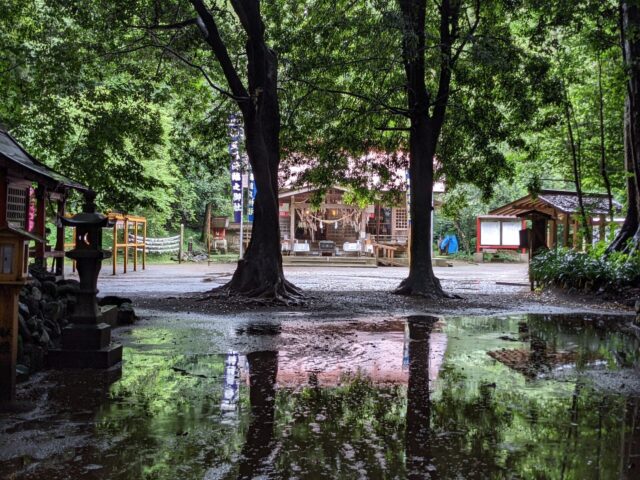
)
(206, 224)
(628, 238)
(423, 137)
(630, 226)
(259, 274)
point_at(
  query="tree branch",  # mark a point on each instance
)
(395, 110)
(470, 33)
(211, 35)
(204, 73)
(167, 26)
(448, 16)
(393, 129)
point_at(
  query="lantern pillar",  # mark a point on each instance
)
(86, 341)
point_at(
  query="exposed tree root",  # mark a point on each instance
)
(269, 296)
(259, 290)
(627, 240)
(426, 287)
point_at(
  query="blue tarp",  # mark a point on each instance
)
(449, 244)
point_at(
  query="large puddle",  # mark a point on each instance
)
(417, 397)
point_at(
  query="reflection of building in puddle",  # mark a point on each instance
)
(532, 363)
(231, 390)
(381, 356)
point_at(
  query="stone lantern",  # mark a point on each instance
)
(14, 259)
(86, 342)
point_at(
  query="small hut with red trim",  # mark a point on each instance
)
(27, 189)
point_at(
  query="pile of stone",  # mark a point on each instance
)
(44, 308)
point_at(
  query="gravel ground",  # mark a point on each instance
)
(484, 289)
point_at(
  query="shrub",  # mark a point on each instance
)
(586, 270)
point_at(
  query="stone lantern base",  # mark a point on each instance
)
(86, 346)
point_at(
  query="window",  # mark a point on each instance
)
(401, 219)
(16, 206)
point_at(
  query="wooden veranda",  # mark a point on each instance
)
(335, 228)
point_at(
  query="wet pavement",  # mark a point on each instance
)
(292, 395)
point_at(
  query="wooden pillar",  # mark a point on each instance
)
(59, 261)
(565, 230)
(575, 234)
(8, 341)
(292, 222)
(602, 233)
(4, 197)
(114, 247)
(144, 246)
(125, 258)
(182, 240)
(41, 224)
(553, 225)
(135, 246)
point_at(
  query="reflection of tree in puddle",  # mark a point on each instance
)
(478, 420)
(417, 431)
(494, 432)
(162, 419)
(573, 342)
(263, 368)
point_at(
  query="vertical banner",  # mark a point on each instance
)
(252, 195)
(235, 137)
(408, 180)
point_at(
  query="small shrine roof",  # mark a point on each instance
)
(18, 161)
(552, 202)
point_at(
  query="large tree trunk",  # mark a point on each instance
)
(259, 274)
(631, 224)
(421, 280)
(629, 234)
(423, 139)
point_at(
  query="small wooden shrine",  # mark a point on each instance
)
(28, 190)
(554, 215)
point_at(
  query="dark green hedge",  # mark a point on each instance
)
(586, 270)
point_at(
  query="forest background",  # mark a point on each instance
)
(134, 112)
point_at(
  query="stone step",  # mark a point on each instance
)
(309, 261)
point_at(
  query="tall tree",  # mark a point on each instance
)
(629, 235)
(251, 78)
(426, 112)
(446, 82)
(259, 273)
